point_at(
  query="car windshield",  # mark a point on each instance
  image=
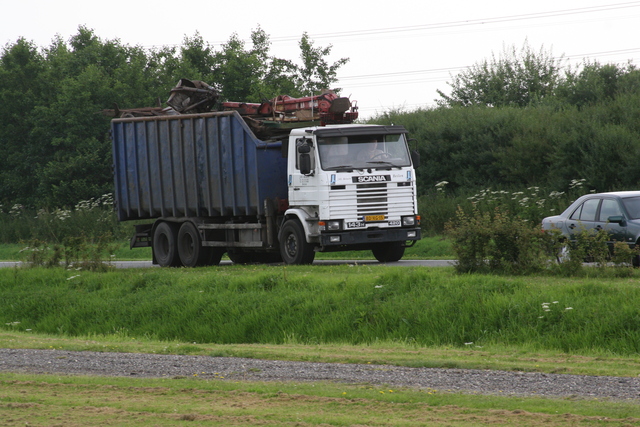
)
(632, 204)
(363, 151)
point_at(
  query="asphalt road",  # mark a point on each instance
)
(401, 263)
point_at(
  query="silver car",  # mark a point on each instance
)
(616, 212)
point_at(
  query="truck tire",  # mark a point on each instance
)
(389, 252)
(165, 249)
(293, 244)
(190, 249)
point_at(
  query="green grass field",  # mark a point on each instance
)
(344, 304)
(90, 401)
(417, 317)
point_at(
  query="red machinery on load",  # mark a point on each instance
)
(327, 107)
(268, 117)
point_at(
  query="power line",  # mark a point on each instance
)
(450, 70)
(453, 24)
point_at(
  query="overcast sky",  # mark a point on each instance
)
(400, 51)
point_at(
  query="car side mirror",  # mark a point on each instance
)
(617, 219)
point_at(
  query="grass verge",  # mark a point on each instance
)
(87, 401)
(339, 304)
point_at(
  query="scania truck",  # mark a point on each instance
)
(202, 185)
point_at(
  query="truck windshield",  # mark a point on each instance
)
(363, 151)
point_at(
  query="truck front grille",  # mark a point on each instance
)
(352, 202)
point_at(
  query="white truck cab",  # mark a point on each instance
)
(349, 187)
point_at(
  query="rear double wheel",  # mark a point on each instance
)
(191, 251)
(165, 248)
(175, 245)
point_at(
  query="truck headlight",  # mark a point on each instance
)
(408, 221)
(334, 225)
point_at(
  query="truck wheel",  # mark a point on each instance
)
(389, 252)
(165, 249)
(190, 249)
(293, 244)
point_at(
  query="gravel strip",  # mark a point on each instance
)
(231, 368)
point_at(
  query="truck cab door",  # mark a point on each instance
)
(302, 179)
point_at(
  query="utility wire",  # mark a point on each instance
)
(453, 24)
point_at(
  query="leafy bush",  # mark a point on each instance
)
(498, 242)
(594, 248)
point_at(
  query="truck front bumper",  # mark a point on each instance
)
(367, 237)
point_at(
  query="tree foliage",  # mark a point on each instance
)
(515, 78)
(52, 134)
(587, 129)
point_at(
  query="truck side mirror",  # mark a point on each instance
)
(305, 163)
(415, 158)
(304, 149)
(304, 157)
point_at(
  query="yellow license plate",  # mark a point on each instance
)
(374, 218)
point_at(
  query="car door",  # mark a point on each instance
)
(583, 218)
(608, 208)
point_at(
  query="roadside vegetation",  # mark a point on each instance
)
(420, 317)
(346, 304)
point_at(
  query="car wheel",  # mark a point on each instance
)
(563, 254)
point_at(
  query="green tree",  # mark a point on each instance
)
(52, 133)
(594, 82)
(22, 84)
(515, 78)
(316, 73)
